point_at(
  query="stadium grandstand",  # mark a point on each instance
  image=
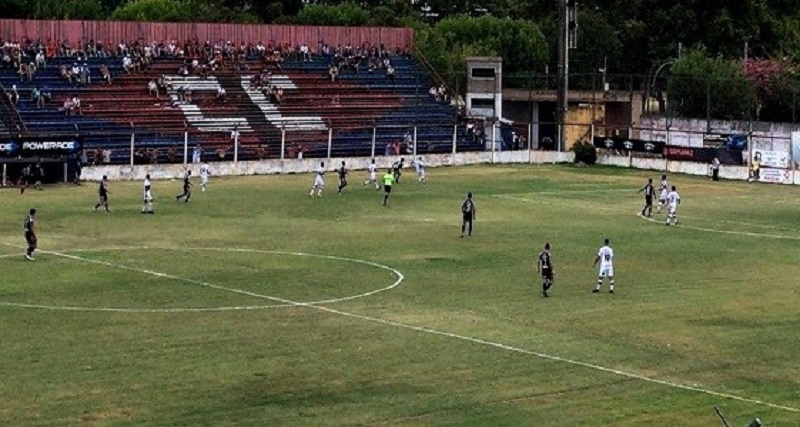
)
(208, 85)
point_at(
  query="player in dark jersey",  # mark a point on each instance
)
(545, 267)
(102, 194)
(342, 178)
(649, 193)
(30, 234)
(397, 169)
(38, 176)
(187, 188)
(468, 214)
(24, 179)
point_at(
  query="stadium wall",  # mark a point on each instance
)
(114, 32)
(296, 166)
(740, 173)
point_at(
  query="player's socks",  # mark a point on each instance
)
(611, 287)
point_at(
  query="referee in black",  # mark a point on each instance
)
(649, 191)
(545, 267)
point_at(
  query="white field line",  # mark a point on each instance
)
(733, 232)
(397, 273)
(448, 335)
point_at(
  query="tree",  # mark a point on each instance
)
(776, 87)
(345, 14)
(179, 11)
(710, 86)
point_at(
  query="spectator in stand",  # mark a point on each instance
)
(97, 157)
(76, 106)
(46, 95)
(333, 72)
(40, 60)
(107, 156)
(181, 92)
(127, 64)
(196, 153)
(390, 73)
(305, 53)
(172, 154)
(105, 74)
(222, 95)
(86, 75)
(434, 93)
(36, 97)
(22, 70)
(152, 88)
(442, 91)
(279, 95)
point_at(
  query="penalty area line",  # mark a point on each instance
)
(466, 338)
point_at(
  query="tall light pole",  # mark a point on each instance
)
(567, 26)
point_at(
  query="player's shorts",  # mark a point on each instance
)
(102, 198)
(467, 217)
(319, 182)
(606, 271)
(648, 200)
(148, 197)
(342, 181)
(373, 177)
(672, 209)
(203, 180)
(387, 189)
(547, 273)
(30, 239)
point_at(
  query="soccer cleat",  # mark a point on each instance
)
(30, 258)
(595, 291)
(544, 294)
(611, 291)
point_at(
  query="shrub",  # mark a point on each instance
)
(584, 152)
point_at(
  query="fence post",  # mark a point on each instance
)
(5, 173)
(374, 139)
(235, 144)
(330, 143)
(283, 141)
(185, 149)
(66, 171)
(132, 144)
(494, 141)
(415, 141)
(455, 137)
(530, 144)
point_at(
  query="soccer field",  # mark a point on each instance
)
(256, 305)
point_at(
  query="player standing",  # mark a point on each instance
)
(662, 198)
(342, 178)
(606, 258)
(397, 169)
(38, 173)
(373, 175)
(467, 214)
(545, 267)
(147, 204)
(319, 181)
(649, 192)
(24, 179)
(102, 194)
(388, 181)
(419, 166)
(205, 171)
(187, 188)
(30, 234)
(673, 200)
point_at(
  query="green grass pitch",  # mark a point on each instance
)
(257, 305)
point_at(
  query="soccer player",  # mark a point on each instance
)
(545, 267)
(673, 200)
(649, 191)
(467, 214)
(147, 204)
(102, 194)
(319, 181)
(187, 188)
(419, 166)
(24, 179)
(605, 256)
(205, 171)
(662, 198)
(373, 175)
(388, 181)
(397, 169)
(30, 234)
(38, 173)
(342, 178)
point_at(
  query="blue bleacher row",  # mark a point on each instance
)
(435, 133)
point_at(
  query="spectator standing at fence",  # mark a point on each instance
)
(196, 152)
(755, 167)
(715, 169)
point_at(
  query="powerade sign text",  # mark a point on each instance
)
(39, 147)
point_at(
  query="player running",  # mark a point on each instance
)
(319, 181)
(30, 234)
(342, 178)
(673, 200)
(467, 215)
(373, 175)
(545, 268)
(187, 188)
(147, 203)
(662, 198)
(606, 258)
(397, 169)
(419, 166)
(102, 194)
(24, 179)
(649, 192)
(205, 171)
(388, 181)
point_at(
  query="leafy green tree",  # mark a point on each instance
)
(179, 11)
(710, 87)
(345, 14)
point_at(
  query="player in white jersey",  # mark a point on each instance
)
(373, 175)
(205, 171)
(662, 197)
(147, 202)
(319, 181)
(419, 166)
(605, 256)
(673, 200)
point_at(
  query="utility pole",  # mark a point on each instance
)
(567, 27)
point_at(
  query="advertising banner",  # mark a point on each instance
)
(628, 144)
(703, 155)
(39, 146)
(772, 159)
(775, 176)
